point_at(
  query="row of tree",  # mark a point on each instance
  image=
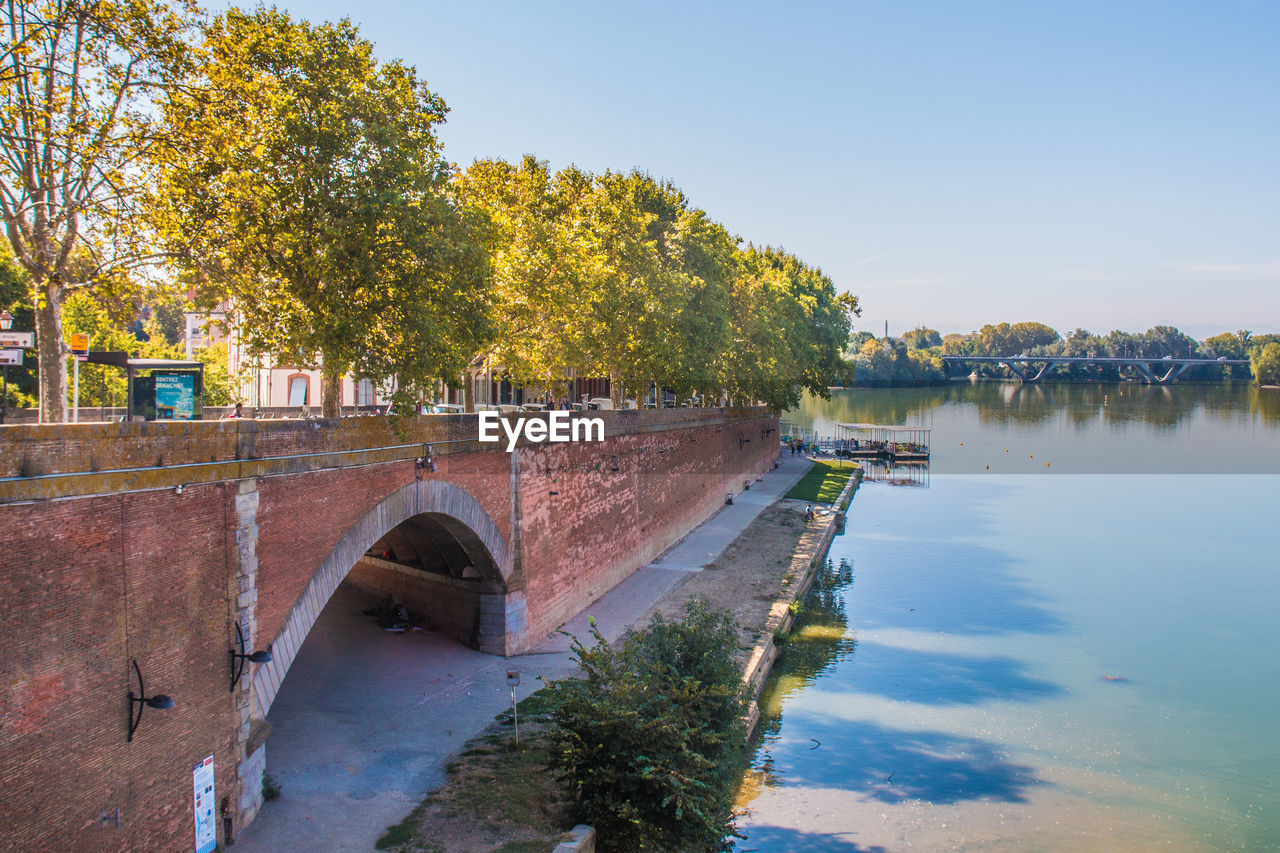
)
(280, 167)
(914, 358)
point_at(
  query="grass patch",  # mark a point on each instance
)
(824, 482)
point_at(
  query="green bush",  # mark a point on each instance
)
(650, 738)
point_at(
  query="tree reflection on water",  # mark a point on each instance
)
(819, 639)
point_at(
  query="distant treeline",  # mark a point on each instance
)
(915, 358)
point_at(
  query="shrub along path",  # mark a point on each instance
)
(498, 798)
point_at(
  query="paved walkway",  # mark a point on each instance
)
(364, 725)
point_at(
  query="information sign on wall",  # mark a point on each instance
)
(206, 821)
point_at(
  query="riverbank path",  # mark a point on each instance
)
(367, 721)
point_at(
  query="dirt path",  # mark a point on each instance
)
(750, 576)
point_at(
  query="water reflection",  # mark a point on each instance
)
(892, 765)
(943, 678)
(1078, 427)
(819, 639)
(943, 578)
(764, 838)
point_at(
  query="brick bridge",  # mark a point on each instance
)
(153, 541)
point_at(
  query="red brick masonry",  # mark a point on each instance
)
(137, 541)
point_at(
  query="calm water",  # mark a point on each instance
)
(1081, 660)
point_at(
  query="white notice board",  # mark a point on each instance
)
(206, 822)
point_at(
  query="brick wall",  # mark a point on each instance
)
(448, 605)
(153, 573)
(302, 517)
(592, 514)
(89, 584)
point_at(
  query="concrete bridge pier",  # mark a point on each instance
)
(1024, 374)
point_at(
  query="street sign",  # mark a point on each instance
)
(80, 344)
(10, 356)
(17, 339)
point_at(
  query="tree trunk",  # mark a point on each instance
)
(330, 393)
(52, 371)
(615, 391)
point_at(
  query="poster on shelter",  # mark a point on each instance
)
(175, 396)
(206, 822)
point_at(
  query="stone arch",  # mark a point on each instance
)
(443, 500)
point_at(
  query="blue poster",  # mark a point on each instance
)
(175, 396)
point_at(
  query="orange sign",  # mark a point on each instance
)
(79, 344)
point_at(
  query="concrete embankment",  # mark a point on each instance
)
(809, 555)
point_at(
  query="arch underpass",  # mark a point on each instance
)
(453, 561)
(340, 701)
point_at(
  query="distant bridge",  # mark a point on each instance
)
(1149, 368)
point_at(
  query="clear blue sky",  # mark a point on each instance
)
(1108, 164)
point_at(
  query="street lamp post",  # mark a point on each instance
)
(6, 323)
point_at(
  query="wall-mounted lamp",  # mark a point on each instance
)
(425, 462)
(160, 702)
(238, 658)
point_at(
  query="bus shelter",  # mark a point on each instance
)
(159, 389)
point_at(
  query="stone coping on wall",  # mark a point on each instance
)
(42, 461)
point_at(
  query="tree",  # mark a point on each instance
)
(922, 338)
(538, 257)
(789, 328)
(78, 85)
(649, 738)
(1016, 339)
(1265, 362)
(308, 188)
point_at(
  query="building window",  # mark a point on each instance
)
(299, 390)
(364, 392)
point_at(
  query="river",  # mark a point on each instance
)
(1063, 637)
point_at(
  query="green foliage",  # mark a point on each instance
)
(789, 328)
(1034, 339)
(84, 312)
(1265, 363)
(270, 788)
(308, 187)
(650, 737)
(220, 387)
(823, 482)
(619, 275)
(922, 338)
(892, 362)
(1005, 339)
(77, 116)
